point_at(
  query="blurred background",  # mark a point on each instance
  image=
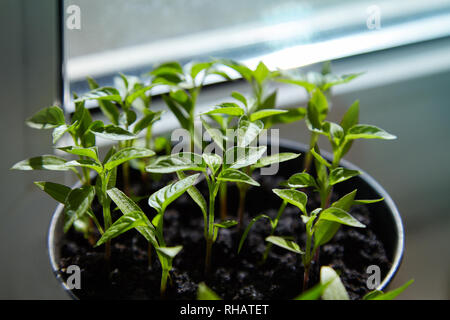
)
(402, 46)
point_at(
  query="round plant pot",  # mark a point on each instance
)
(385, 218)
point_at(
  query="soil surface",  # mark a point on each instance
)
(234, 276)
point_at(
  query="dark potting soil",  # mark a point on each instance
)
(233, 276)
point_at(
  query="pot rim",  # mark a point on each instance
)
(285, 143)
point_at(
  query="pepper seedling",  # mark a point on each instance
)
(216, 170)
(134, 218)
(249, 127)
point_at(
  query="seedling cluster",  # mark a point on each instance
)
(128, 108)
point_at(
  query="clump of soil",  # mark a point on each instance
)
(234, 276)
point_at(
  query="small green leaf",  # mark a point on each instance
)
(391, 295)
(234, 175)
(86, 164)
(58, 132)
(113, 132)
(275, 158)
(213, 161)
(108, 108)
(147, 120)
(317, 111)
(285, 244)
(230, 109)
(104, 93)
(292, 115)
(46, 162)
(261, 72)
(215, 134)
(91, 152)
(360, 201)
(170, 252)
(248, 132)
(179, 113)
(198, 67)
(205, 293)
(47, 118)
(335, 289)
(239, 157)
(341, 174)
(341, 216)
(129, 207)
(314, 293)
(57, 191)
(163, 197)
(346, 202)
(127, 154)
(364, 131)
(238, 96)
(177, 162)
(123, 224)
(78, 201)
(351, 117)
(301, 180)
(294, 197)
(264, 113)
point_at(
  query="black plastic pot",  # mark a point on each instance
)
(385, 216)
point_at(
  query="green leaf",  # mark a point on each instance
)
(285, 244)
(317, 110)
(391, 295)
(341, 216)
(104, 93)
(305, 84)
(269, 102)
(196, 68)
(351, 117)
(86, 164)
(335, 289)
(333, 80)
(123, 224)
(148, 119)
(314, 293)
(266, 113)
(46, 162)
(127, 118)
(247, 229)
(129, 207)
(113, 132)
(238, 96)
(238, 157)
(163, 197)
(261, 72)
(108, 108)
(197, 197)
(324, 231)
(301, 180)
(205, 293)
(364, 131)
(292, 115)
(170, 252)
(47, 118)
(346, 202)
(177, 162)
(294, 197)
(213, 161)
(91, 152)
(216, 135)
(127, 154)
(275, 158)
(360, 201)
(230, 109)
(137, 94)
(233, 175)
(58, 132)
(57, 191)
(177, 111)
(78, 201)
(248, 132)
(341, 174)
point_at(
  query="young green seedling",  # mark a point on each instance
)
(185, 86)
(134, 218)
(117, 104)
(249, 127)
(216, 170)
(318, 86)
